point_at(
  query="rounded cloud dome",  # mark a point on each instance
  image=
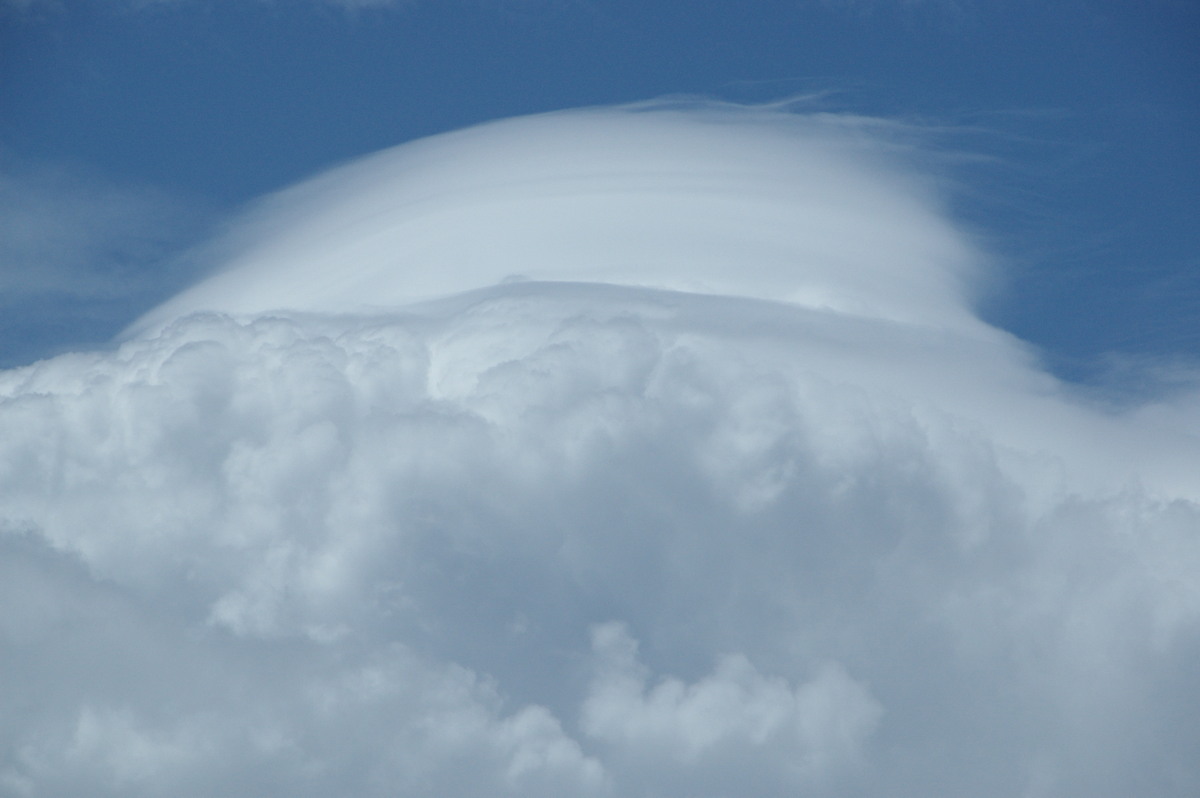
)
(709, 199)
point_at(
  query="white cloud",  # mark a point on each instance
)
(864, 547)
(729, 724)
(773, 206)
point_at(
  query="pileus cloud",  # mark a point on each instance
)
(713, 200)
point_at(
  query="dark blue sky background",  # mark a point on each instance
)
(1090, 109)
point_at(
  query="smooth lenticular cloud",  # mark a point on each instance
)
(731, 495)
(816, 210)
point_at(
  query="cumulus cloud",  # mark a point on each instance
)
(733, 730)
(730, 493)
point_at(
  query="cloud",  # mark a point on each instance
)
(728, 729)
(780, 515)
(77, 251)
(664, 198)
(69, 232)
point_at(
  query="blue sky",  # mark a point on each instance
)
(1089, 107)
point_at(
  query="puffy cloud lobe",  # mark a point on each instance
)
(565, 538)
(105, 696)
(808, 729)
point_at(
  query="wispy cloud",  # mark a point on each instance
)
(733, 494)
(78, 245)
(67, 232)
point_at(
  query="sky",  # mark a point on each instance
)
(581, 397)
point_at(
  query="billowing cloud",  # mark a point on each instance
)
(730, 492)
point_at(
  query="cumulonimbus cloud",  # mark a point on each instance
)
(728, 492)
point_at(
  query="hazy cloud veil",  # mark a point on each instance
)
(624, 452)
